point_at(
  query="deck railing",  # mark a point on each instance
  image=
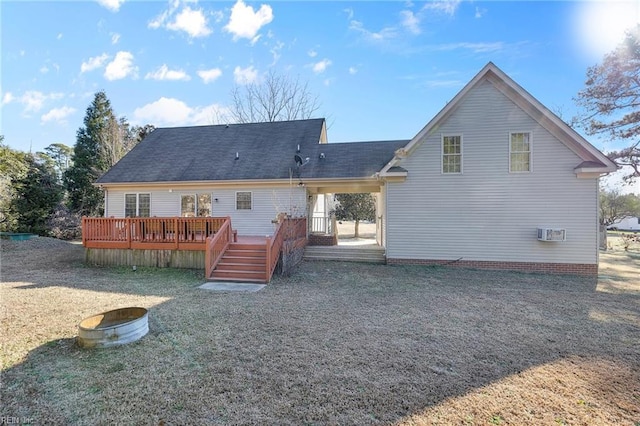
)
(287, 236)
(323, 225)
(216, 246)
(178, 233)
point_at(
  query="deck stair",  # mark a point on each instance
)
(242, 262)
(365, 254)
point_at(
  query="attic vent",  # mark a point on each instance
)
(552, 234)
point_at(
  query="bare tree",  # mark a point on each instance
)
(277, 98)
(611, 101)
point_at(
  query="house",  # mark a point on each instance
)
(495, 180)
(628, 223)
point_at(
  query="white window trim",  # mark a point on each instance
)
(137, 194)
(530, 152)
(236, 201)
(448, 135)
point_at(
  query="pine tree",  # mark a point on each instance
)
(92, 156)
(36, 196)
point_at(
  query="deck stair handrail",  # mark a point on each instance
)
(274, 245)
(217, 245)
(287, 233)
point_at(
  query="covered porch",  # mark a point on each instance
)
(326, 230)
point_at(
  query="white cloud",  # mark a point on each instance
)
(57, 114)
(371, 36)
(191, 21)
(320, 67)
(32, 100)
(349, 12)
(93, 63)
(353, 70)
(245, 23)
(480, 12)
(245, 75)
(410, 21)
(210, 75)
(112, 5)
(164, 73)
(447, 7)
(275, 51)
(474, 47)
(312, 53)
(121, 67)
(174, 112)
(44, 69)
(59, 36)
(8, 98)
(115, 38)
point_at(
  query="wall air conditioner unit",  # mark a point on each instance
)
(552, 234)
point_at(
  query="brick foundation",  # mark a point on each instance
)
(323, 240)
(546, 268)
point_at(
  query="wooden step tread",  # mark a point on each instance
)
(240, 280)
(243, 259)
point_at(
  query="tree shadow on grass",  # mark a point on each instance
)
(341, 343)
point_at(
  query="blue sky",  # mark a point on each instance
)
(381, 70)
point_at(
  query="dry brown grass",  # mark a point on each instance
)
(336, 343)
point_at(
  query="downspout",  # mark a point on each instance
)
(106, 203)
(598, 223)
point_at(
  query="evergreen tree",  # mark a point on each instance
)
(89, 158)
(61, 155)
(36, 196)
(13, 166)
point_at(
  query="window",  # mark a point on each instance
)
(137, 205)
(243, 200)
(192, 205)
(451, 154)
(520, 152)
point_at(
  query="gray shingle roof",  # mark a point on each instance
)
(265, 151)
(349, 160)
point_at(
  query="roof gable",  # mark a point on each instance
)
(591, 156)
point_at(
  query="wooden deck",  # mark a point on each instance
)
(227, 255)
(150, 233)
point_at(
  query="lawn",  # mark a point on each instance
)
(335, 343)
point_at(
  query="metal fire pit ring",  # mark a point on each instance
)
(113, 328)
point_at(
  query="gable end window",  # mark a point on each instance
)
(452, 154)
(137, 205)
(243, 200)
(519, 152)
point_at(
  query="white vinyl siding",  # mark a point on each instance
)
(266, 203)
(489, 214)
(452, 154)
